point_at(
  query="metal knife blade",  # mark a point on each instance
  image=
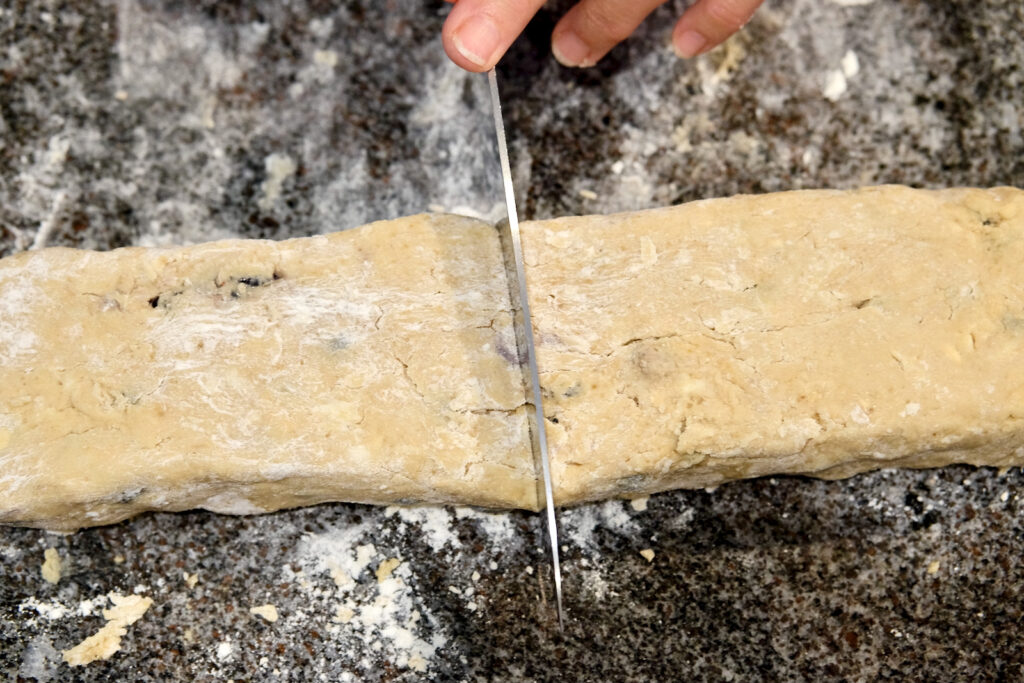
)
(512, 246)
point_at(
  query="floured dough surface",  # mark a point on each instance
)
(374, 365)
(821, 333)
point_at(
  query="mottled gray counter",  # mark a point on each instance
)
(159, 122)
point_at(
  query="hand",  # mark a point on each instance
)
(478, 32)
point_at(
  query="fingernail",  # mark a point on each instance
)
(477, 39)
(570, 50)
(689, 44)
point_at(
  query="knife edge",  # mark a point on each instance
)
(515, 270)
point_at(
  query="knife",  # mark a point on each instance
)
(513, 251)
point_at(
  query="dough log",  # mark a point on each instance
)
(820, 333)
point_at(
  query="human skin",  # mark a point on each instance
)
(478, 32)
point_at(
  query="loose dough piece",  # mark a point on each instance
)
(268, 612)
(375, 365)
(51, 566)
(104, 643)
(822, 333)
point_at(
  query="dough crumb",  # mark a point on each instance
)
(475, 576)
(933, 568)
(51, 566)
(190, 579)
(850, 64)
(268, 612)
(647, 554)
(417, 663)
(732, 54)
(835, 85)
(326, 58)
(118, 559)
(640, 504)
(344, 614)
(104, 643)
(588, 194)
(279, 167)
(386, 567)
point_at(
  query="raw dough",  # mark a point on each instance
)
(822, 333)
(374, 365)
(51, 567)
(104, 643)
(268, 612)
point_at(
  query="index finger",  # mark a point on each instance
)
(709, 22)
(478, 32)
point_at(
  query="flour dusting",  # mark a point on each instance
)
(47, 610)
(434, 522)
(20, 295)
(580, 524)
(496, 526)
(377, 612)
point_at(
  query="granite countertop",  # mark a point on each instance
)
(156, 122)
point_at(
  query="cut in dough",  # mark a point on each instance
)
(818, 332)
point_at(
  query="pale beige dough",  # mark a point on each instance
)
(821, 333)
(52, 566)
(106, 642)
(375, 365)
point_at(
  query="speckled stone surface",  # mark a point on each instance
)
(157, 122)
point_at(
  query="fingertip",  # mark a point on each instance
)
(570, 50)
(708, 23)
(688, 43)
(592, 28)
(478, 40)
(460, 61)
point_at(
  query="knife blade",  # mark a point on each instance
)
(516, 272)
